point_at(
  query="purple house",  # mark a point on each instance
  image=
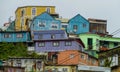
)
(55, 41)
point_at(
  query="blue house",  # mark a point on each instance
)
(45, 22)
(77, 25)
(15, 36)
(55, 41)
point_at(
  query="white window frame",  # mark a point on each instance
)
(32, 12)
(42, 23)
(54, 25)
(19, 35)
(68, 43)
(7, 35)
(56, 44)
(41, 44)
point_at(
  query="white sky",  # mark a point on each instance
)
(100, 9)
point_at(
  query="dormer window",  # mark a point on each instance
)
(41, 23)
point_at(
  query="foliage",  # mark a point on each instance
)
(12, 50)
(110, 52)
(108, 62)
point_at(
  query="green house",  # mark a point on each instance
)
(93, 42)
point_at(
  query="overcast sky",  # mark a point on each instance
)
(100, 9)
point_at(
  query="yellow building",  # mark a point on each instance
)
(29, 12)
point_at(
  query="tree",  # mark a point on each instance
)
(12, 50)
(108, 62)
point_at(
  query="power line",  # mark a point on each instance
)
(113, 33)
(66, 59)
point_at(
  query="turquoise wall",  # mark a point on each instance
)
(13, 37)
(81, 23)
(45, 22)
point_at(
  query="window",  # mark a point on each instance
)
(75, 28)
(93, 61)
(64, 26)
(19, 35)
(106, 44)
(7, 35)
(88, 58)
(68, 43)
(25, 61)
(22, 21)
(89, 43)
(101, 62)
(41, 23)
(18, 61)
(84, 25)
(82, 56)
(33, 11)
(48, 9)
(64, 70)
(18, 70)
(40, 36)
(54, 25)
(52, 36)
(72, 55)
(41, 44)
(115, 44)
(55, 44)
(97, 44)
(22, 12)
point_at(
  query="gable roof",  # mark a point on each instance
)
(44, 15)
(77, 18)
